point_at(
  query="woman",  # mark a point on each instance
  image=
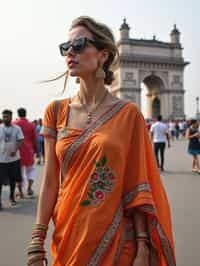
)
(193, 135)
(111, 208)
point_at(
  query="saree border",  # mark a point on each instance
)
(155, 225)
(63, 132)
(108, 235)
(82, 138)
(130, 196)
(166, 247)
(127, 235)
(120, 246)
(47, 131)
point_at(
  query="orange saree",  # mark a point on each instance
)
(108, 170)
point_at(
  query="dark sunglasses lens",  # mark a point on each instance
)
(79, 45)
(64, 47)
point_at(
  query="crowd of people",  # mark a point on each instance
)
(162, 132)
(20, 144)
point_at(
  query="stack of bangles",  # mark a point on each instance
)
(142, 237)
(36, 251)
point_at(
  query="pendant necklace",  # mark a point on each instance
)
(91, 112)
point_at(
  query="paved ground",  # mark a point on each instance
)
(183, 191)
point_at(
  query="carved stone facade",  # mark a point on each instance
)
(158, 65)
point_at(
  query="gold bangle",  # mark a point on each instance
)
(29, 263)
(35, 258)
(40, 226)
(36, 247)
(142, 234)
(142, 240)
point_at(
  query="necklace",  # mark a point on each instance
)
(90, 112)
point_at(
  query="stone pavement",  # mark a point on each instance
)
(183, 191)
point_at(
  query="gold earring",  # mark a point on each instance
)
(100, 73)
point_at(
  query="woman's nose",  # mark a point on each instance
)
(70, 51)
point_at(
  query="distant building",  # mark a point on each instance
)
(159, 65)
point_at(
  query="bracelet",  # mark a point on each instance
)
(36, 258)
(36, 249)
(142, 234)
(33, 260)
(146, 240)
(32, 250)
(39, 231)
(40, 226)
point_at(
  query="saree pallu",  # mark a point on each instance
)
(108, 171)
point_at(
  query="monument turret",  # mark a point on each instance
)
(124, 30)
(175, 35)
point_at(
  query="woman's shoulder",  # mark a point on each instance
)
(130, 111)
(131, 108)
(57, 104)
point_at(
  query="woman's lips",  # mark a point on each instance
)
(72, 64)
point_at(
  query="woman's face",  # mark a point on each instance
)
(86, 62)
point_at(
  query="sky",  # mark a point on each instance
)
(31, 30)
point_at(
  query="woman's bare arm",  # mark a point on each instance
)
(140, 224)
(188, 136)
(50, 184)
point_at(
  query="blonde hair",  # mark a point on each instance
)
(104, 36)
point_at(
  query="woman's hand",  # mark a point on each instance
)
(142, 257)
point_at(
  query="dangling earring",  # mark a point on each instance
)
(77, 80)
(100, 73)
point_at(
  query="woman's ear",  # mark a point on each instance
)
(104, 55)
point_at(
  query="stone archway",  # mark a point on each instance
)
(157, 64)
(155, 88)
(156, 107)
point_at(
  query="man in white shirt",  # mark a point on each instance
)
(159, 136)
(11, 137)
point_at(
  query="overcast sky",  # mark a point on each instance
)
(31, 30)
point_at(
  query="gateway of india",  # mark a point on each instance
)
(156, 64)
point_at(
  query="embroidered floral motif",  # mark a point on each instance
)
(101, 182)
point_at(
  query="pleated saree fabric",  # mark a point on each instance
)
(108, 171)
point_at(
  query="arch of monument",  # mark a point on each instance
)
(159, 66)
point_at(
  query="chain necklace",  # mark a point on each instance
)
(90, 112)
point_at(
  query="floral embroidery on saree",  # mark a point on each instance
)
(101, 182)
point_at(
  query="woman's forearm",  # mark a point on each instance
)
(140, 222)
(50, 184)
(140, 225)
(46, 203)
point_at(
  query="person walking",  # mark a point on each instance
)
(159, 136)
(100, 179)
(172, 129)
(177, 130)
(193, 135)
(11, 138)
(41, 158)
(27, 151)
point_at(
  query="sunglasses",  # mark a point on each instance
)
(78, 46)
